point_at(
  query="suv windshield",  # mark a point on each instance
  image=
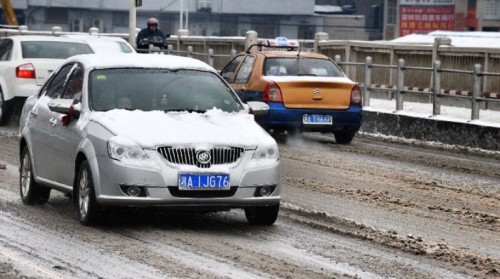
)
(53, 50)
(159, 89)
(301, 66)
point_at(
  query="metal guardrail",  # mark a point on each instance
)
(209, 56)
(435, 91)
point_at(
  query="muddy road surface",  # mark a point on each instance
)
(372, 209)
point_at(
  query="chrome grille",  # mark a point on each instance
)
(188, 155)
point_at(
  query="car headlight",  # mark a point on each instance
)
(267, 152)
(128, 152)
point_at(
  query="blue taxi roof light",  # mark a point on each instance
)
(282, 42)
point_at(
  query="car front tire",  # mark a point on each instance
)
(88, 208)
(262, 215)
(344, 137)
(31, 192)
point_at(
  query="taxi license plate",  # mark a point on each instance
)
(317, 119)
(204, 181)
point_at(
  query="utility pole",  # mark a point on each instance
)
(181, 12)
(132, 22)
(8, 10)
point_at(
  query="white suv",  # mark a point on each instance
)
(27, 61)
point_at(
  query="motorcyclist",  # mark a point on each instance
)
(150, 32)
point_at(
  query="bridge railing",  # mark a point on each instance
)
(388, 53)
(435, 91)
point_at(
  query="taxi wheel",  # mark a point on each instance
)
(344, 137)
(31, 192)
(262, 215)
(4, 111)
(89, 210)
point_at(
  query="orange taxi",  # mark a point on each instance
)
(306, 92)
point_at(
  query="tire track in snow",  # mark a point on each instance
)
(37, 252)
(485, 265)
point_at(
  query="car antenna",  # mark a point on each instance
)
(300, 47)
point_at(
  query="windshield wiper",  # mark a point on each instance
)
(312, 75)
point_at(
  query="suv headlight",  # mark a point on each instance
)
(128, 152)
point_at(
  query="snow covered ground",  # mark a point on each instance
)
(453, 114)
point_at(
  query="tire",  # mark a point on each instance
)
(4, 110)
(31, 192)
(344, 137)
(262, 215)
(89, 210)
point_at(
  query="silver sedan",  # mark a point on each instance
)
(146, 130)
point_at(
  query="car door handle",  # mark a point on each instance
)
(34, 113)
(53, 122)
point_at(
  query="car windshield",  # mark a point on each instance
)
(53, 50)
(160, 89)
(300, 66)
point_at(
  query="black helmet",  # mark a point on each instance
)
(152, 21)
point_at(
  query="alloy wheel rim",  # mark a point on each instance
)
(25, 175)
(84, 193)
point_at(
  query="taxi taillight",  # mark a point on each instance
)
(25, 71)
(272, 93)
(356, 95)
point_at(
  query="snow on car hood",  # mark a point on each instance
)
(156, 128)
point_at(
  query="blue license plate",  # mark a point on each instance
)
(317, 119)
(204, 181)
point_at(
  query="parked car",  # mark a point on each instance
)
(104, 44)
(305, 91)
(27, 60)
(146, 130)
(25, 63)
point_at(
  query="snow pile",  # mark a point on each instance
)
(453, 114)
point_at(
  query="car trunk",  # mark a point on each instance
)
(316, 93)
(43, 68)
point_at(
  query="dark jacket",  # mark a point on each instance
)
(146, 33)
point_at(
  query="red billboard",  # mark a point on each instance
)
(424, 19)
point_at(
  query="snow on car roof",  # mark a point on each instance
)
(102, 44)
(44, 38)
(134, 60)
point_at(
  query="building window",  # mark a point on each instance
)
(120, 19)
(392, 11)
(306, 32)
(56, 15)
(265, 27)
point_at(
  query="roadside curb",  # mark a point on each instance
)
(429, 129)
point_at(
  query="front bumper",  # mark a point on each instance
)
(281, 118)
(160, 185)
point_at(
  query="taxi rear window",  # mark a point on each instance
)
(300, 66)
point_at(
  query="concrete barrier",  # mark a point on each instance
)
(429, 129)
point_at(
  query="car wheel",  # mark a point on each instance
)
(262, 215)
(344, 137)
(87, 206)
(31, 192)
(4, 111)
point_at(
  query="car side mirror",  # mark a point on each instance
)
(258, 108)
(66, 107)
